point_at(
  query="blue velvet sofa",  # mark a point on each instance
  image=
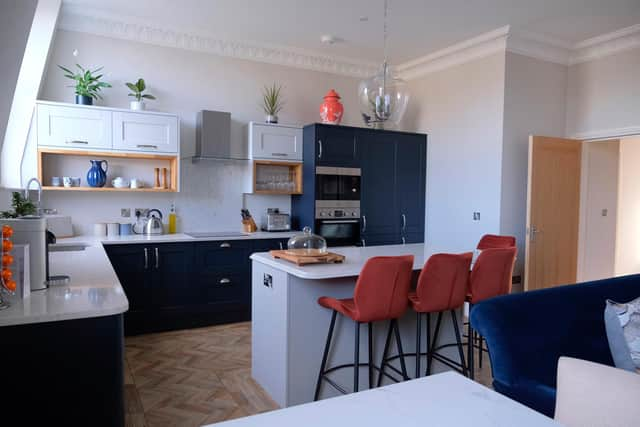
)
(526, 333)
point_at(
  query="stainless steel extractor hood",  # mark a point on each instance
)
(215, 139)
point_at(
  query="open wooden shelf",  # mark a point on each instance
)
(49, 165)
(292, 170)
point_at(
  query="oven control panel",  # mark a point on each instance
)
(337, 213)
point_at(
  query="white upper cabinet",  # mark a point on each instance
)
(145, 132)
(73, 127)
(275, 142)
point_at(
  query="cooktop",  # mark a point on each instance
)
(199, 234)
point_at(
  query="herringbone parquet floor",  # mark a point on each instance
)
(196, 376)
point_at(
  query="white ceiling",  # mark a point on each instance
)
(416, 27)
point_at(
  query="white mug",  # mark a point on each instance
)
(66, 181)
(136, 183)
(100, 229)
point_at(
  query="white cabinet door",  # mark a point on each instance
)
(145, 132)
(74, 127)
(275, 142)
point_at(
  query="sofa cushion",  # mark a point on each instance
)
(622, 323)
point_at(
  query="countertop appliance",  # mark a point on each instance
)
(151, 225)
(274, 220)
(32, 231)
(337, 205)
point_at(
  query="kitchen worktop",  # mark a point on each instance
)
(93, 291)
(355, 257)
(172, 238)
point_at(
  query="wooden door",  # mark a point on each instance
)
(553, 210)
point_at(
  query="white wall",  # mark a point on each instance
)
(534, 104)
(603, 94)
(599, 193)
(461, 108)
(15, 23)
(185, 82)
(628, 224)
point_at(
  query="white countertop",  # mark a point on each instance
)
(93, 291)
(355, 257)
(178, 237)
(446, 399)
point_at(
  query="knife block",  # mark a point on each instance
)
(249, 226)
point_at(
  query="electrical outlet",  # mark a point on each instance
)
(142, 212)
(476, 216)
(605, 212)
(125, 213)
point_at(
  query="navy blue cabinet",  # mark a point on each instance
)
(182, 285)
(336, 146)
(393, 187)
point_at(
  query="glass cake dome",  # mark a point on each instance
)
(307, 243)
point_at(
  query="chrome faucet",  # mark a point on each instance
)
(26, 191)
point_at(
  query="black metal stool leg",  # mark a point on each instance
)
(370, 327)
(418, 338)
(405, 376)
(434, 344)
(385, 352)
(454, 319)
(356, 359)
(470, 351)
(325, 355)
(428, 341)
(480, 351)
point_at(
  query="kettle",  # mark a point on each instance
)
(152, 225)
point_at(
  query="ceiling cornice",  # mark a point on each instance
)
(502, 39)
(459, 53)
(129, 28)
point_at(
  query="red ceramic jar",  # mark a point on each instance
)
(331, 109)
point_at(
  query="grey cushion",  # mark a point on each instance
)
(622, 323)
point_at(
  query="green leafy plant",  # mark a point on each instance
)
(87, 83)
(137, 88)
(272, 101)
(21, 206)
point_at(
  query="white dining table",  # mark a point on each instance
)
(446, 399)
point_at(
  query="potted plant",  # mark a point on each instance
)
(272, 102)
(87, 84)
(137, 88)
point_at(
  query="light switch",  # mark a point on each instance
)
(605, 212)
(267, 280)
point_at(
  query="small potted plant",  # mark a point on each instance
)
(87, 84)
(272, 102)
(137, 88)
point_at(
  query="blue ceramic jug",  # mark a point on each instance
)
(97, 175)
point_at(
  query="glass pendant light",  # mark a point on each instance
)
(383, 98)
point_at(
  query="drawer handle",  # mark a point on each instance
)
(155, 147)
(76, 141)
(225, 245)
(225, 281)
(280, 154)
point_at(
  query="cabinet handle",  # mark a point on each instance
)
(319, 148)
(146, 258)
(280, 154)
(157, 258)
(225, 281)
(363, 243)
(404, 242)
(155, 147)
(404, 222)
(364, 223)
(76, 141)
(281, 247)
(225, 245)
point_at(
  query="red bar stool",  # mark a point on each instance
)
(490, 241)
(442, 286)
(380, 294)
(490, 277)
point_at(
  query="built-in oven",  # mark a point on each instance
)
(337, 183)
(339, 225)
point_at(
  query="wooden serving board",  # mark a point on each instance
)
(328, 258)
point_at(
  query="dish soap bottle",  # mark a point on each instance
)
(172, 219)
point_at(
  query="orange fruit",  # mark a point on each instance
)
(11, 285)
(7, 245)
(7, 260)
(7, 231)
(6, 274)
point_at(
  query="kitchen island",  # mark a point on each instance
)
(289, 328)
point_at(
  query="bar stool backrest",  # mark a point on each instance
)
(491, 273)
(382, 288)
(489, 241)
(443, 282)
